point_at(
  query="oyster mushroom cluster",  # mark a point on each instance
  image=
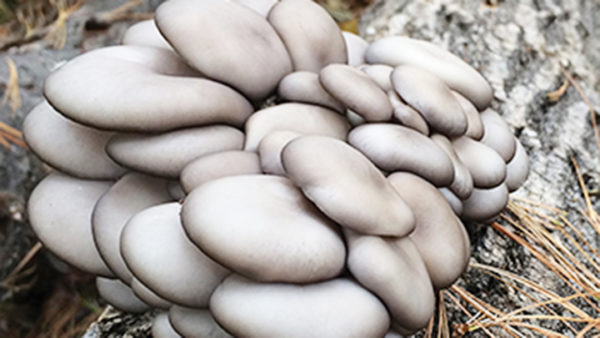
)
(251, 170)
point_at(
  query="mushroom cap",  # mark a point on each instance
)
(190, 322)
(396, 148)
(474, 124)
(431, 98)
(161, 327)
(497, 135)
(485, 165)
(296, 117)
(274, 235)
(60, 212)
(148, 296)
(228, 28)
(129, 195)
(454, 202)
(159, 254)
(355, 90)
(380, 74)
(346, 186)
(394, 271)
(261, 7)
(310, 34)
(222, 164)
(69, 146)
(439, 235)
(462, 185)
(270, 149)
(138, 85)
(336, 308)
(355, 48)
(167, 154)
(145, 33)
(354, 118)
(484, 204)
(305, 87)
(407, 115)
(119, 295)
(517, 169)
(457, 74)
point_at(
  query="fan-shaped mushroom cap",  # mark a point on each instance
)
(60, 212)
(137, 84)
(305, 87)
(161, 327)
(485, 165)
(484, 204)
(310, 34)
(462, 184)
(190, 322)
(346, 186)
(432, 98)
(457, 74)
(167, 154)
(439, 235)
(407, 115)
(394, 271)
(396, 148)
(159, 254)
(355, 90)
(148, 296)
(228, 28)
(296, 117)
(380, 74)
(68, 146)
(497, 135)
(334, 308)
(270, 149)
(475, 126)
(274, 235)
(355, 48)
(212, 166)
(129, 195)
(145, 33)
(119, 295)
(261, 7)
(517, 169)
(454, 202)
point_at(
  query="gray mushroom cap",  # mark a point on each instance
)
(346, 186)
(462, 184)
(393, 269)
(305, 87)
(129, 195)
(485, 165)
(270, 149)
(310, 34)
(407, 115)
(60, 212)
(145, 33)
(396, 148)
(457, 74)
(355, 90)
(222, 164)
(296, 117)
(497, 135)
(354, 118)
(119, 295)
(190, 322)
(355, 48)
(439, 235)
(517, 169)
(158, 252)
(475, 126)
(161, 327)
(484, 204)
(137, 84)
(167, 154)
(274, 235)
(432, 98)
(228, 28)
(148, 296)
(380, 74)
(69, 146)
(454, 202)
(249, 309)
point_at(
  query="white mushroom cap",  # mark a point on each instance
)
(222, 164)
(380, 74)
(119, 295)
(346, 186)
(228, 28)
(190, 322)
(274, 235)
(475, 126)
(336, 308)
(145, 33)
(485, 165)
(497, 135)
(407, 115)
(129, 195)
(161, 327)
(261, 7)
(484, 204)
(60, 212)
(457, 74)
(159, 254)
(305, 87)
(310, 34)
(462, 185)
(148, 296)
(517, 169)
(355, 48)
(167, 154)
(137, 84)
(454, 202)
(68, 146)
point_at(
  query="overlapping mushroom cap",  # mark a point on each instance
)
(252, 175)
